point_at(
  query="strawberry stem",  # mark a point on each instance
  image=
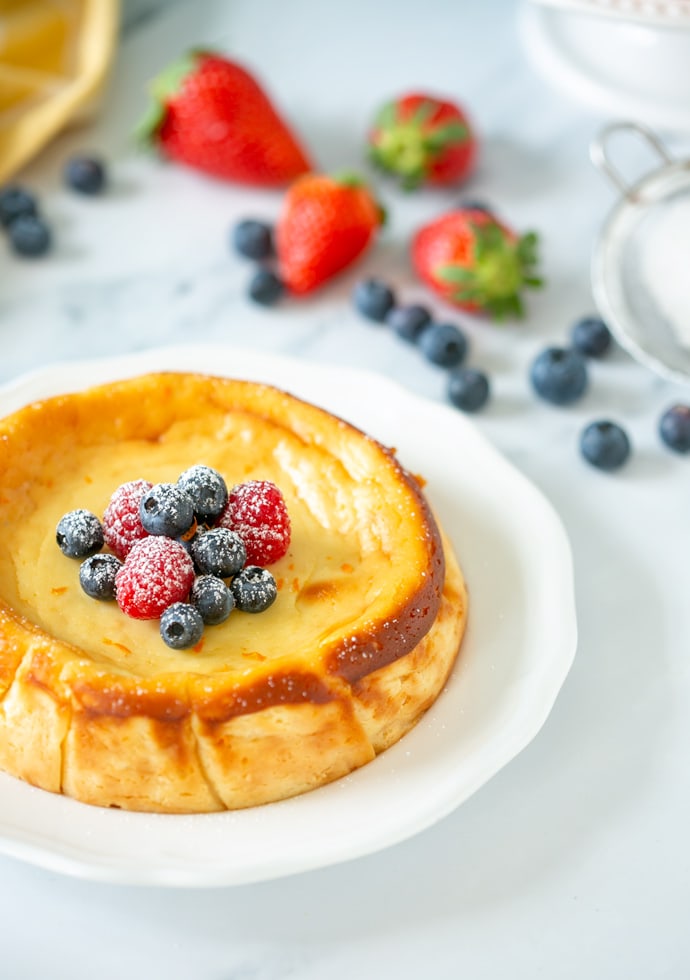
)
(501, 268)
(409, 148)
(163, 87)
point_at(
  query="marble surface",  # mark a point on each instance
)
(573, 861)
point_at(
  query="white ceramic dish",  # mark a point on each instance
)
(617, 66)
(518, 649)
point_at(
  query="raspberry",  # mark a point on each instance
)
(257, 511)
(121, 522)
(157, 572)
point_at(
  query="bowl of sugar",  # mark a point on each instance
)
(641, 259)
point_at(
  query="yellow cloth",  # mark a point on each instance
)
(54, 57)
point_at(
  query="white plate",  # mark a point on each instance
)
(616, 67)
(518, 649)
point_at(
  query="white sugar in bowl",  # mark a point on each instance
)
(641, 259)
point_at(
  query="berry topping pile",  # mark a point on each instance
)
(186, 553)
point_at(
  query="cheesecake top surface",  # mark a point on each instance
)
(359, 586)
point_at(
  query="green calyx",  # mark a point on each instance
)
(408, 148)
(162, 88)
(349, 178)
(501, 269)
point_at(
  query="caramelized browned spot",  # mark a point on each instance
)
(123, 700)
(319, 590)
(291, 687)
(355, 657)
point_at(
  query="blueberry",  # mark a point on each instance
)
(30, 236)
(207, 489)
(443, 344)
(85, 175)
(559, 375)
(468, 389)
(408, 321)
(373, 299)
(590, 336)
(254, 589)
(674, 428)
(15, 202)
(214, 600)
(166, 509)
(265, 287)
(219, 551)
(79, 534)
(181, 626)
(605, 445)
(97, 576)
(469, 204)
(253, 239)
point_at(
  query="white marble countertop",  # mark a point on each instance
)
(573, 861)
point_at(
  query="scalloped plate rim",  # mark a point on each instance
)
(316, 830)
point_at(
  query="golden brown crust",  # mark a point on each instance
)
(116, 720)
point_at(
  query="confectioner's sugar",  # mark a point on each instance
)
(666, 267)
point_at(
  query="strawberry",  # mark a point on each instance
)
(211, 114)
(476, 262)
(325, 224)
(423, 140)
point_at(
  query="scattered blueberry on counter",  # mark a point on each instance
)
(443, 344)
(468, 204)
(408, 322)
(674, 428)
(605, 445)
(85, 175)
(15, 202)
(373, 299)
(559, 375)
(30, 236)
(265, 287)
(253, 239)
(590, 336)
(468, 389)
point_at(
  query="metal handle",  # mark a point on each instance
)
(599, 156)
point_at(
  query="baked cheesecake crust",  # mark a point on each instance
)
(340, 668)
